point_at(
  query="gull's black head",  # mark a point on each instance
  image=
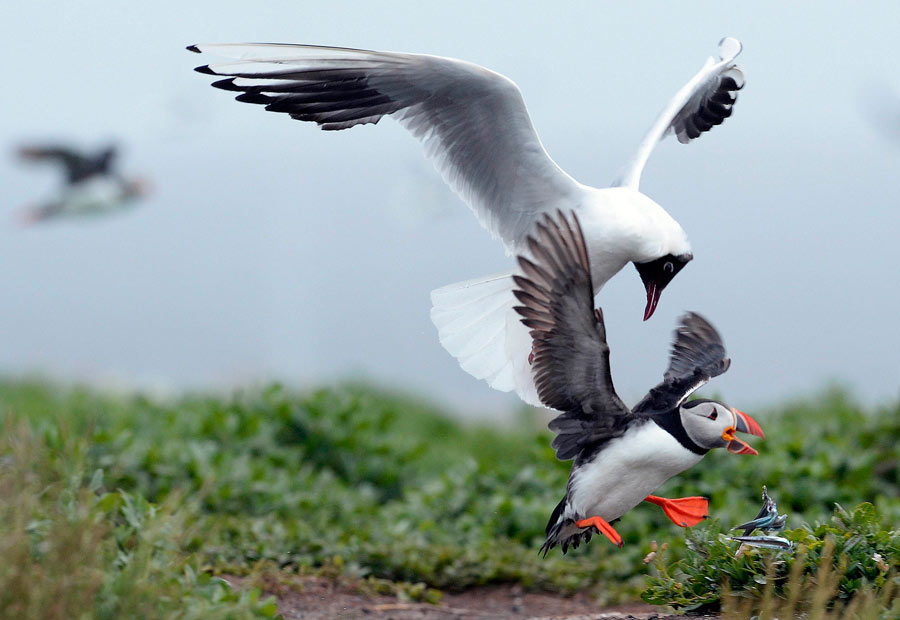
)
(656, 275)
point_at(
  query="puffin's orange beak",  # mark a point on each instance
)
(742, 424)
(746, 424)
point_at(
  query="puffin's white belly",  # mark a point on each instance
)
(93, 196)
(629, 469)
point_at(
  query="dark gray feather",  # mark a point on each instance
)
(571, 357)
(698, 355)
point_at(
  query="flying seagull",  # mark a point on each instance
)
(92, 186)
(475, 127)
(621, 454)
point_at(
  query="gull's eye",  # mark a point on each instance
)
(668, 267)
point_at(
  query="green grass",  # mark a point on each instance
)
(857, 550)
(149, 498)
(70, 550)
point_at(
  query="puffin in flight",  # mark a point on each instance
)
(621, 455)
(475, 127)
(92, 185)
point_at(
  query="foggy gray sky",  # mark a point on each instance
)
(273, 250)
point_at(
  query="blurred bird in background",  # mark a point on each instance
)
(92, 187)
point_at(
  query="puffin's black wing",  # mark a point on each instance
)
(78, 166)
(698, 355)
(571, 358)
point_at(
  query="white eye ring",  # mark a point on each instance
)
(669, 267)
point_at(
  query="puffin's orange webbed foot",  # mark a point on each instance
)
(603, 527)
(683, 511)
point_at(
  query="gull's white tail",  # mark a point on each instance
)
(478, 326)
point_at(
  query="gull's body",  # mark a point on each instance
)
(474, 125)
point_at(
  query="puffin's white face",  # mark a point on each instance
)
(711, 424)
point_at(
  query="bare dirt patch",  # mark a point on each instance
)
(318, 598)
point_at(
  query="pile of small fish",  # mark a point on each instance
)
(768, 520)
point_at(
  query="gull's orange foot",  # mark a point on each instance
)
(603, 527)
(683, 511)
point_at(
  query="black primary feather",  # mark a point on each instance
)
(571, 357)
(333, 98)
(698, 354)
(711, 109)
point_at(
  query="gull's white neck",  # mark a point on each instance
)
(623, 225)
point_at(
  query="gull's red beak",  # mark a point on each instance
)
(653, 293)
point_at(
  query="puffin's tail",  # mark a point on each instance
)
(478, 326)
(562, 531)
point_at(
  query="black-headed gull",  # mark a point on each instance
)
(474, 125)
(92, 186)
(621, 454)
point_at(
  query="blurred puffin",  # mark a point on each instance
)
(621, 455)
(92, 186)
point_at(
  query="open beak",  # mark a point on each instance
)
(742, 424)
(653, 293)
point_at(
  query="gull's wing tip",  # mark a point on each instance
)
(193, 48)
(729, 48)
(205, 70)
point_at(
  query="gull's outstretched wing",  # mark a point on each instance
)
(698, 355)
(570, 354)
(77, 166)
(705, 101)
(472, 121)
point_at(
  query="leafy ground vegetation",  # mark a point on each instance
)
(126, 506)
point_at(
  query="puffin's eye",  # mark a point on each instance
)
(668, 267)
(714, 415)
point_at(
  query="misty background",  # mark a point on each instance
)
(270, 250)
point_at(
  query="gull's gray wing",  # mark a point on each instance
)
(472, 121)
(77, 166)
(570, 354)
(698, 355)
(705, 101)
